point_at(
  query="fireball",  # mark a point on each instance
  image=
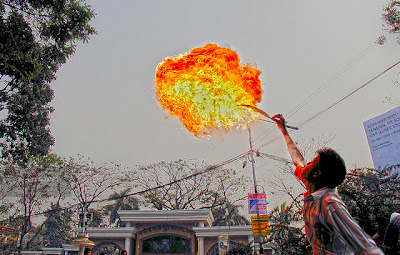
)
(205, 89)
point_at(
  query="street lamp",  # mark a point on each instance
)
(82, 239)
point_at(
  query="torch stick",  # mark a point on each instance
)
(265, 114)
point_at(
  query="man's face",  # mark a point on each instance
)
(311, 170)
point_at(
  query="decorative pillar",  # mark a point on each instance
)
(201, 245)
(201, 224)
(128, 245)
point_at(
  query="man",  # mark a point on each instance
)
(330, 228)
(392, 235)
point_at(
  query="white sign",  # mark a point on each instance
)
(257, 203)
(223, 244)
(383, 134)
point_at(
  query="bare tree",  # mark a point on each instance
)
(189, 193)
(28, 190)
(90, 182)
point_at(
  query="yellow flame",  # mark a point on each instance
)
(205, 87)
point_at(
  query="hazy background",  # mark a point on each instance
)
(105, 107)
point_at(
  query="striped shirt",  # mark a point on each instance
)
(331, 229)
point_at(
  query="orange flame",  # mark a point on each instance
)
(205, 87)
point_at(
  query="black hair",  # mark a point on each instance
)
(87, 250)
(392, 235)
(332, 167)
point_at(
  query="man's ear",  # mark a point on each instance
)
(317, 173)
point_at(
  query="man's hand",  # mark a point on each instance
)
(294, 152)
(280, 120)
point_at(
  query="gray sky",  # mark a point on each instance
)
(105, 107)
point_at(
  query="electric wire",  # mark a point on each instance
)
(208, 169)
(246, 154)
(276, 158)
(234, 159)
(318, 114)
(330, 81)
(314, 94)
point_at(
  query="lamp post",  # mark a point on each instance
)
(82, 239)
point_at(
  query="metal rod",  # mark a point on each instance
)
(265, 114)
(252, 160)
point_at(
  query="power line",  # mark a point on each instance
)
(208, 169)
(265, 155)
(330, 81)
(246, 154)
(347, 96)
(317, 92)
(318, 114)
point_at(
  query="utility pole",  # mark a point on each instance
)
(254, 177)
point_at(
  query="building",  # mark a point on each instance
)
(162, 232)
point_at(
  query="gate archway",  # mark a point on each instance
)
(108, 247)
(166, 237)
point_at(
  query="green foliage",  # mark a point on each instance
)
(241, 249)
(58, 226)
(288, 239)
(36, 38)
(96, 219)
(227, 213)
(391, 16)
(9, 248)
(110, 249)
(11, 245)
(371, 197)
(120, 202)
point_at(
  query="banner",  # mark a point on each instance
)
(383, 134)
(257, 203)
(260, 225)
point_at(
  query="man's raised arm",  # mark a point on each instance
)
(294, 152)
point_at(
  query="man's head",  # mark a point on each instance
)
(326, 170)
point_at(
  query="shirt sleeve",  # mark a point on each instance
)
(346, 227)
